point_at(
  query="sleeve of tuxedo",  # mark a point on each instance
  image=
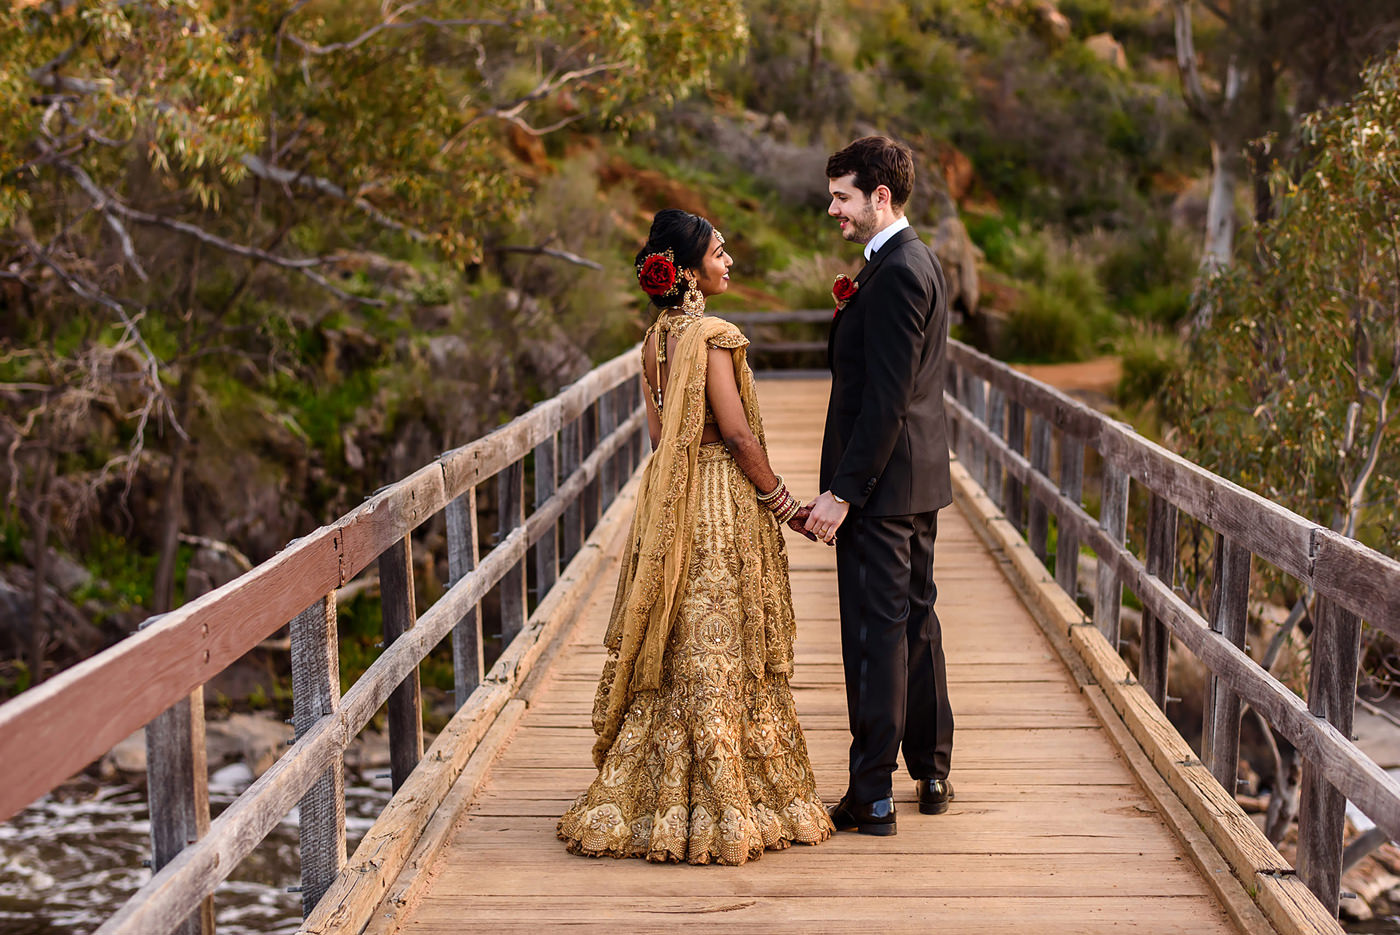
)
(895, 311)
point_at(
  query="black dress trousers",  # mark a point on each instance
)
(892, 651)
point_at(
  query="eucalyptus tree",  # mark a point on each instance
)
(182, 180)
(1248, 68)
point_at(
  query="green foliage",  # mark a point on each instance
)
(1150, 359)
(1292, 389)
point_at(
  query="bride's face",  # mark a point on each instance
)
(713, 275)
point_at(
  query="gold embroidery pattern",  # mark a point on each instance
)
(711, 765)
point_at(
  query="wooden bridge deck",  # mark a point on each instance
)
(1050, 831)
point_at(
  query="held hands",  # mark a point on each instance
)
(798, 523)
(824, 517)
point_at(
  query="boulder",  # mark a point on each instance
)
(1107, 49)
(254, 739)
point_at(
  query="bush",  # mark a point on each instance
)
(1150, 360)
(1045, 327)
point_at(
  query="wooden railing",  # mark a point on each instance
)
(989, 405)
(582, 445)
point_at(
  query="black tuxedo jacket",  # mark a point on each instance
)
(885, 448)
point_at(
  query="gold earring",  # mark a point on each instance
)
(693, 302)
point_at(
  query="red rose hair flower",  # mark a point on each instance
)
(657, 273)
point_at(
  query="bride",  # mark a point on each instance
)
(699, 753)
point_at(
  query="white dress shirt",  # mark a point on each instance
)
(880, 239)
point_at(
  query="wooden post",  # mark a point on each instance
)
(547, 549)
(405, 702)
(316, 694)
(463, 554)
(569, 461)
(996, 424)
(510, 506)
(1040, 461)
(1113, 518)
(607, 421)
(588, 441)
(977, 405)
(1229, 614)
(641, 442)
(1336, 647)
(177, 790)
(1072, 487)
(1014, 497)
(1161, 562)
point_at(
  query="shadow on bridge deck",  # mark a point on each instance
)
(1050, 831)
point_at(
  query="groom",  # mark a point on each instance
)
(884, 476)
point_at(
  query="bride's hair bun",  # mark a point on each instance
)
(686, 236)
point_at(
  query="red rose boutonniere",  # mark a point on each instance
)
(843, 290)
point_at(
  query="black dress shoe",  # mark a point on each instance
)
(934, 795)
(875, 818)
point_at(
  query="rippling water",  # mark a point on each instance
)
(67, 863)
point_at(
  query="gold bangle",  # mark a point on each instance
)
(765, 497)
(789, 512)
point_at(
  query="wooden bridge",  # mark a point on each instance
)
(1080, 809)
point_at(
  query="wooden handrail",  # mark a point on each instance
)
(104, 699)
(1352, 582)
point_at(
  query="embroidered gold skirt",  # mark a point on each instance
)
(711, 767)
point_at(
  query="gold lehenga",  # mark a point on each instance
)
(700, 755)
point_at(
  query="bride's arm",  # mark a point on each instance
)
(723, 394)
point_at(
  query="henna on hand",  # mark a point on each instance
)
(798, 523)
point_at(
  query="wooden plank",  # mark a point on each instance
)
(1171, 915)
(315, 652)
(1113, 519)
(1278, 894)
(177, 790)
(105, 698)
(1358, 578)
(1040, 462)
(977, 403)
(547, 549)
(401, 894)
(569, 459)
(510, 515)
(996, 424)
(1014, 499)
(392, 840)
(463, 555)
(1072, 488)
(588, 440)
(1161, 564)
(607, 423)
(1336, 643)
(746, 320)
(1375, 792)
(405, 719)
(1229, 616)
(483, 458)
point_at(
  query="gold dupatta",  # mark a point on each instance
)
(654, 572)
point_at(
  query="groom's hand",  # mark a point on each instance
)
(826, 517)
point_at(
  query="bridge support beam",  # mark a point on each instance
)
(177, 789)
(1336, 647)
(315, 695)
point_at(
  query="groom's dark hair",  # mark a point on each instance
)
(876, 161)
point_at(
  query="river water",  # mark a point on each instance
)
(69, 862)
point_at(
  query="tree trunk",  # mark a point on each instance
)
(42, 512)
(1220, 210)
(171, 514)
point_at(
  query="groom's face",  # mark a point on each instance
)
(853, 208)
